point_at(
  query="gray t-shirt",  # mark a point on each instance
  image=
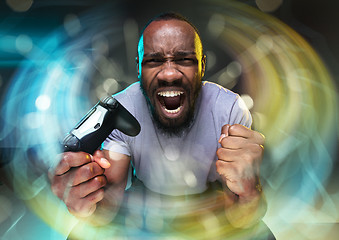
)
(174, 165)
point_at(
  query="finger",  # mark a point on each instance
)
(87, 172)
(96, 196)
(252, 155)
(234, 142)
(99, 158)
(226, 170)
(72, 159)
(224, 132)
(85, 207)
(86, 188)
(61, 184)
(58, 187)
(242, 131)
(225, 155)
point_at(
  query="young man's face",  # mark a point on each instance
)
(171, 65)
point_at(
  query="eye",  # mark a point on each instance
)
(153, 62)
(186, 61)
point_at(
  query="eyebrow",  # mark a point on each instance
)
(178, 53)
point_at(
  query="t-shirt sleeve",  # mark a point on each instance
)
(240, 113)
(116, 142)
(231, 109)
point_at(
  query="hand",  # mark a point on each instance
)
(78, 180)
(239, 161)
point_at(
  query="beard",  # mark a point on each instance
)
(173, 127)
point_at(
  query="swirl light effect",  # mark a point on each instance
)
(289, 90)
(296, 108)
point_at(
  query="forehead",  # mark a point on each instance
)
(168, 36)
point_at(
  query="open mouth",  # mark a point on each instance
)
(171, 101)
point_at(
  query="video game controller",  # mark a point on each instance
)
(108, 114)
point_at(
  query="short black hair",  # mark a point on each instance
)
(170, 16)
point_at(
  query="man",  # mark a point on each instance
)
(193, 133)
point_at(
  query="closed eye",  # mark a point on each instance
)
(181, 61)
(186, 61)
(153, 62)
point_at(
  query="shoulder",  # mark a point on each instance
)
(130, 94)
(131, 90)
(131, 98)
(218, 93)
(226, 104)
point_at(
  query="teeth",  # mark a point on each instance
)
(170, 94)
(173, 111)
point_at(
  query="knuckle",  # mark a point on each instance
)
(219, 165)
(67, 156)
(224, 127)
(56, 191)
(80, 208)
(95, 197)
(63, 162)
(75, 192)
(75, 209)
(220, 152)
(99, 181)
(98, 153)
(87, 171)
(224, 141)
(235, 127)
(71, 209)
(91, 169)
(100, 195)
(97, 169)
(257, 150)
(69, 203)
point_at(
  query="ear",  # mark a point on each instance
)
(203, 65)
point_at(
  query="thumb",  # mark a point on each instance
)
(99, 158)
(224, 132)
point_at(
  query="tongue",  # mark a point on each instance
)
(172, 103)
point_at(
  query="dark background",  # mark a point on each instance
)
(317, 21)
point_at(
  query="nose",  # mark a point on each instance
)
(169, 74)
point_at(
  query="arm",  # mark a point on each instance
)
(238, 165)
(116, 176)
(91, 186)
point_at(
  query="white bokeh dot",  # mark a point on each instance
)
(43, 102)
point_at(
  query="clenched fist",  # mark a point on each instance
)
(239, 160)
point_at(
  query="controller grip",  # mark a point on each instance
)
(108, 114)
